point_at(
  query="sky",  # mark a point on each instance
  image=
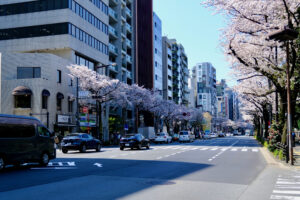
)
(197, 29)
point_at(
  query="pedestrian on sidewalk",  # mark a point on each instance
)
(293, 139)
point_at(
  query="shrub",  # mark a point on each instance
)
(280, 154)
(266, 144)
(274, 137)
(275, 153)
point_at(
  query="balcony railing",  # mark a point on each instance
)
(113, 49)
(128, 27)
(128, 43)
(113, 31)
(112, 14)
(129, 58)
(128, 12)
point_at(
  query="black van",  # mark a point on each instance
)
(24, 140)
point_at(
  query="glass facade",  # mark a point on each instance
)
(45, 5)
(53, 29)
(83, 61)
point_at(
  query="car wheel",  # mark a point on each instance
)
(140, 146)
(44, 159)
(65, 150)
(2, 163)
(148, 146)
(83, 149)
(98, 149)
(121, 148)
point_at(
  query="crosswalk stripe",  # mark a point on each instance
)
(213, 149)
(203, 149)
(244, 149)
(233, 149)
(293, 192)
(279, 197)
(287, 183)
(255, 150)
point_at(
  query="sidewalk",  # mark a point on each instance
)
(297, 154)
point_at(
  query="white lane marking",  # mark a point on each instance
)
(159, 158)
(244, 149)
(287, 183)
(287, 187)
(210, 159)
(47, 168)
(234, 149)
(224, 149)
(293, 192)
(98, 164)
(203, 149)
(255, 150)
(279, 197)
(213, 149)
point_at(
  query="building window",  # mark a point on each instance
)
(70, 82)
(155, 77)
(44, 102)
(23, 101)
(58, 76)
(155, 50)
(28, 72)
(155, 37)
(70, 106)
(155, 63)
(59, 98)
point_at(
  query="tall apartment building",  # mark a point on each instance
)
(167, 66)
(38, 40)
(221, 103)
(204, 82)
(157, 52)
(180, 74)
(122, 49)
(233, 105)
(121, 40)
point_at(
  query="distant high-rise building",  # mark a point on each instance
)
(157, 52)
(180, 74)
(167, 69)
(204, 82)
(221, 106)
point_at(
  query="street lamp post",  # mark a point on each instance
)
(285, 36)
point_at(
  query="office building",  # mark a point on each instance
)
(38, 40)
(167, 74)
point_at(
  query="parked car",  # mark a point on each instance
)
(23, 140)
(175, 137)
(221, 134)
(162, 137)
(186, 136)
(206, 136)
(81, 142)
(134, 141)
(213, 135)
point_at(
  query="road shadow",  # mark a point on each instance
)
(115, 173)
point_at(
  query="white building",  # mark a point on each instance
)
(38, 40)
(204, 83)
(157, 52)
(167, 69)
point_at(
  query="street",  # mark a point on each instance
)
(218, 169)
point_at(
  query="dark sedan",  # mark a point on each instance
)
(134, 141)
(81, 142)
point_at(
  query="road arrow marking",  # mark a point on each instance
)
(98, 164)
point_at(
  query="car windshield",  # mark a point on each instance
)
(161, 134)
(74, 135)
(184, 133)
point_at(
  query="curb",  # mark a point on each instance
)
(271, 160)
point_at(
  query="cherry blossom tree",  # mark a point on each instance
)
(246, 45)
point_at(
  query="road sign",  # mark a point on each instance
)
(126, 127)
(85, 109)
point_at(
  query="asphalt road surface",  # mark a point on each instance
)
(217, 169)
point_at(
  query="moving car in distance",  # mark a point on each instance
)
(81, 142)
(24, 140)
(132, 141)
(162, 138)
(186, 136)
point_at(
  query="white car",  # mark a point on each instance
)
(162, 137)
(186, 136)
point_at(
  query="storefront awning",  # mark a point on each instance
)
(60, 96)
(45, 93)
(21, 90)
